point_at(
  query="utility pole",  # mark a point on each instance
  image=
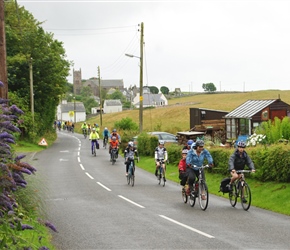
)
(31, 89)
(141, 79)
(3, 68)
(101, 109)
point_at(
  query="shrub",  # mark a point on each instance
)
(126, 124)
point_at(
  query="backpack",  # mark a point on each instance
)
(223, 185)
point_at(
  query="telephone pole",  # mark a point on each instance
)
(101, 109)
(141, 79)
(3, 68)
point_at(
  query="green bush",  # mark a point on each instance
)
(126, 124)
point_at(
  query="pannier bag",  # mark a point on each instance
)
(223, 185)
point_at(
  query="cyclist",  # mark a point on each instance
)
(84, 127)
(114, 143)
(89, 128)
(97, 128)
(188, 144)
(94, 136)
(238, 160)
(160, 156)
(114, 133)
(182, 167)
(194, 160)
(106, 135)
(129, 153)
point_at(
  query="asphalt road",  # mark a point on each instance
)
(88, 200)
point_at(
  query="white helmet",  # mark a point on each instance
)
(130, 144)
(106, 128)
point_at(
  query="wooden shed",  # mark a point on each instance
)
(244, 119)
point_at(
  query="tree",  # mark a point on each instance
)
(117, 95)
(209, 87)
(153, 89)
(164, 90)
(28, 42)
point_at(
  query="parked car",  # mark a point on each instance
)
(162, 136)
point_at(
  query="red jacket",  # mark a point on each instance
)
(182, 165)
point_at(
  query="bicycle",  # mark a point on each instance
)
(114, 152)
(105, 142)
(131, 171)
(161, 173)
(199, 190)
(85, 133)
(94, 149)
(240, 188)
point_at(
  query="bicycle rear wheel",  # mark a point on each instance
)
(113, 157)
(94, 150)
(203, 195)
(233, 196)
(247, 197)
(129, 178)
(192, 198)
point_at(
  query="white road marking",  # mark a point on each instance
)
(64, 151)
(103, 186)
(79, 160)
(81, 165)
(78, 153)
(188, 227)
(89, 175)
(63, 159)
(134, 203)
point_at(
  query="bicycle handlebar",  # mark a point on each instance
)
(244, 171)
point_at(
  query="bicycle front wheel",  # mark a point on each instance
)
(246, 196)
(184, 195)
(132, 176)
(233, 195)
(203, 195)
(192, 198)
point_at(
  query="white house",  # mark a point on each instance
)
(112, 106)
(71, 111)
(151, 100)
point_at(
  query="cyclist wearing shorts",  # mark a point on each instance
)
(194, 160)
(94, 136)
(84, 127)
(129, 153)
(106, 135)
(160, 156)
(238, 160)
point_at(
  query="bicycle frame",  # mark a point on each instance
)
(161, 172)
(131, 172)
(242, 190)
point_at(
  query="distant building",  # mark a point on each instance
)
(71, 111)
(112, 106)
(150, 100)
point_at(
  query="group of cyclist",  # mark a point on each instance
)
(193, 156)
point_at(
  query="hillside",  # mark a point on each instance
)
(175, 116)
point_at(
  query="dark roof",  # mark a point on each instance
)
(70, 107)
(106, 83)
(249, 108)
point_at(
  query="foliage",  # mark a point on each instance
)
(89, 103)
(126, 124)
(209, 87)
(164, 90)
(256, 139)
(153, 89)
(275, 130)
(116, 95)
(13, 220)
(27, 43)
(146, 144)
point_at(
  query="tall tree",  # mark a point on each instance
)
(164, 90)
(153, 89)
(209, 87)
(26, 40)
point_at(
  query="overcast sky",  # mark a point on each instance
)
(237, 45)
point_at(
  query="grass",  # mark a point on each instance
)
(267, 195)
(175, 117)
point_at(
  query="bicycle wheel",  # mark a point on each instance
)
(247, 197)
(203, 195)
(105, 144)
(113, 157)
(129, 178)
(132, 176)
(233, 196)
(94, 150)
(192, 198)
(159, 175)
(184, 196)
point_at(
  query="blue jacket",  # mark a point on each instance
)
(193, 159)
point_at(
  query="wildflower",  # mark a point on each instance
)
(51, 226)
(25, 226)
(1, 84)
(19, 157)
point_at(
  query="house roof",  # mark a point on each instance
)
(106, 83)
(113, 103)
(151, 99)
(249, 108)
(70, 107)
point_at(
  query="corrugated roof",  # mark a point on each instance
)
(113, 102)
(249, 108)
(70, 107)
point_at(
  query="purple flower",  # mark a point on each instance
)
(43, 248)
(25, 226)
(51, 226)
(19, 157)
(1, 84)
(4, 134)
(16, 110)
(26, 171)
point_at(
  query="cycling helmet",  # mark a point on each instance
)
(114, 138)
(241, 144)
(130, 144)
(199, 143)
(114, 130)
(184, 151)
(161, 142)
(97, 125)
(189, 142)
(94, 129)
(106, 128)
